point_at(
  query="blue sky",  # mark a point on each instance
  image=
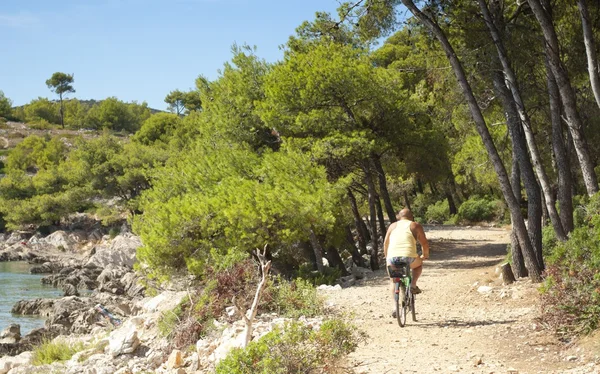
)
(136, 49)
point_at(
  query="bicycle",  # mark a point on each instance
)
(401, 273)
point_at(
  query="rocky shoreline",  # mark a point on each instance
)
(95, 273)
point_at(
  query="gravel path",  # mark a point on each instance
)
(460, 328)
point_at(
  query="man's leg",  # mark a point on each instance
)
(417, 269)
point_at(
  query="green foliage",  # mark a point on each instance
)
(117, 115)
(159, 127)
(5, 106)
(479, 209)
(61, 83)
(36, 152)
(571, 293)
(420, 204)
(328, 276)
(53, 351)
(183, 102)
(295, 348)
(41, 110)
(220, 196)
(438, 212)
(293, 299)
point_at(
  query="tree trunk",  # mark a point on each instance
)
(380, 217)
(515, 212)
(372, 217)
(419, 186)
(561, 157)
(567, 95)
(590, 49)
(532, 189)
(495, 25)
(356, 257)
(451, 203)
(383, 190)
(518, 266)
(361, 229)
(406, 200)
(314, 241)
(62, 115)
(335, 260)
(507, 275)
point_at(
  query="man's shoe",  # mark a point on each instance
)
(415, 290)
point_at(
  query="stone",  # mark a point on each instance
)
(571, 358)
(59, 240)
(123, 341)
(121, 252)
(485, 289)
(11, 334)
(175, 360)
(360, 272)
(8, 363)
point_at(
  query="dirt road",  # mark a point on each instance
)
(461, 327)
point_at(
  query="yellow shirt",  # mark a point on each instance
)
(402, 241)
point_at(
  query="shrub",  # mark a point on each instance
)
(293, 299)
(329, 276)
(420, 205)
(571, 293)
(479, 209)
(52, 351)
(191, 319)
(438, 212)
(294, 349)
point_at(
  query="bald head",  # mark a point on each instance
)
(405, 214)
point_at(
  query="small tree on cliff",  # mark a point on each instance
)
(61, 84)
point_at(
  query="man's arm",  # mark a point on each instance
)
(420, 233)
(386, 242)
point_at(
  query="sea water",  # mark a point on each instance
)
(16, 283)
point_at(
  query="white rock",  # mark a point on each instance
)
(121, 252)
(167, 300)
(485, 289)
(230, 310)
(325, 287)
(59, 239)
(122, 341)
(9, 362)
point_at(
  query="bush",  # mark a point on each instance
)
(329, 276)
(571, 293)
(420, 205)
(52, 351)
(192, 319)
(294, 349)
(438, 212)
(293, 299)
(480, 209)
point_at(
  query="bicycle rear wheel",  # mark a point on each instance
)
(412, 307)
(400, 289)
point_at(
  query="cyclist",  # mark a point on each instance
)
(401, 241)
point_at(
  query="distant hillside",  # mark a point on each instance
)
(91, 103)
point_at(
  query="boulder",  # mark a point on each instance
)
(7, 362)
(11, 334)
(123, 341)
(41, 307)
(60, 240)
(175, 360)
(46, 268)
(121, 252)
(360, 272)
